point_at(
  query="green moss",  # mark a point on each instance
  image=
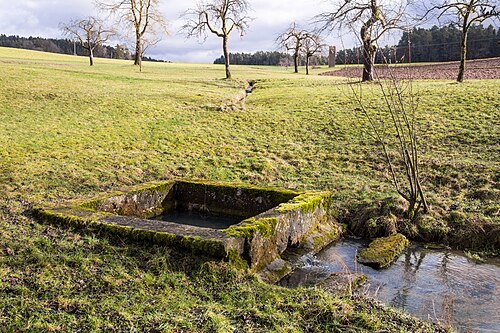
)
(273, 196)
(383, 251)
(151, 187)
(163, 187)
(142, 235)
(321, 240)
(435, 246)
(236, 260)
(94, 204)
(431, 228)
(326, 232)
(164, 238)
(265, 226)
(457, 218)
(69, 216)
(277, 272)
(307, 202)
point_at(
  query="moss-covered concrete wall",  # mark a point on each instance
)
(145, 201)
(216, 198)
(302, 221)
(224, 199)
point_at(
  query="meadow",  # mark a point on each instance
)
(68, 130)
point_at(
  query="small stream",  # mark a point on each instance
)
(439, 285)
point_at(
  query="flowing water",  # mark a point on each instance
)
(439, 285)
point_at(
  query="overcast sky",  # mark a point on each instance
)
(42, 17)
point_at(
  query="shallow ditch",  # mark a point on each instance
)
(439, 285)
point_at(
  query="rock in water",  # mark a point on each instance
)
(383, 251)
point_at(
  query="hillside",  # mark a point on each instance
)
(73, 131)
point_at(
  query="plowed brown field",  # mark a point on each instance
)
(474, 70)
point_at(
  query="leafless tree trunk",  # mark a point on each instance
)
(221, 18)
(89, 31)
(463, 55)
(310, 46)
(146, 42)
(140, 16)
(376, 17)
(138, 50)
(369, 48)
(225, 50)
(296, 62)
(465, 13)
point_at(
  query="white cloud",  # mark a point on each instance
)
(42, 18)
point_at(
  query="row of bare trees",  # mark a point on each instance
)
(143, 20)
(371, 19)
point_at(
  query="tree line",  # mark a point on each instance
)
(63, 46)
(268, 58)
(436, 44)
(443, 44)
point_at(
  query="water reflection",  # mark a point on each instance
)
(442, 286)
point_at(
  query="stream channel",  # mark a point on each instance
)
(438, 285)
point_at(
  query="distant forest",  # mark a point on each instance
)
(268, 58)
(436, 44)
(66, 46)
(427, 45)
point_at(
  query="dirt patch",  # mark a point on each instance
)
(474, 70)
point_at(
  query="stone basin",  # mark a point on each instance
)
(240, 222)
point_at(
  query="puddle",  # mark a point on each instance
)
(198, 219)
(438, 285)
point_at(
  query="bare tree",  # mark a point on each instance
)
(148, 41)
(394, 127)
(221, 18)
(310, 46)
(89, 31)
(140, 16)
(284, 62)
(466, 13)
(373, 18)
(292, 40)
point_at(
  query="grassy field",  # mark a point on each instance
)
(68, 130)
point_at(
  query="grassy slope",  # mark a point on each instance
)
(68, 130)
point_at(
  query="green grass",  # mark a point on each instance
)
(68, 130)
